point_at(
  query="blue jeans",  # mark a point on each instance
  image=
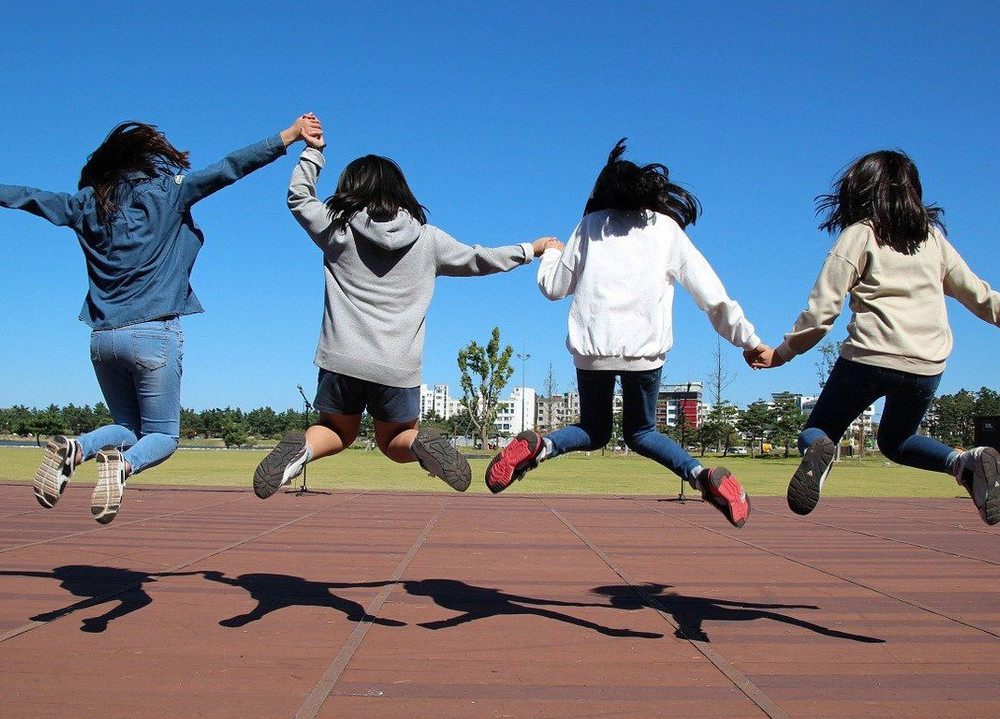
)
(640, 390)
(139, 369)
(853, 386)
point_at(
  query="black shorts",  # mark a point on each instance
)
(340, 394)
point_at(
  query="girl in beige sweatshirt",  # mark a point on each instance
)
(894, 264)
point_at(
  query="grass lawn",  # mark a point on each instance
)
(575, 473)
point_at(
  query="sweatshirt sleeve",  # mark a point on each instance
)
(306, 208)
(699, 279)
(59, 208)
(198, 185)
(965, 286)
(455, 259)
(826, 300)
(558, 270)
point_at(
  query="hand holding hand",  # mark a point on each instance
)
(307, 127)
(763, 357)
(546, 243)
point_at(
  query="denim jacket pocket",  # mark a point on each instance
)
(150, 350)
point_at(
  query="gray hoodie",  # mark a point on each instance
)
(379, 281)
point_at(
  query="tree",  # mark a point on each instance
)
(950, 418)
(753, 423)
(234, 434)
(545, 425)
(485, 373)
(721, 426)
(721, 376)
(787, 420)
(828, 354)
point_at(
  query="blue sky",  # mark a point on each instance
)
(501, 115)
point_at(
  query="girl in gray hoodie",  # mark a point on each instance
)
(381, 259)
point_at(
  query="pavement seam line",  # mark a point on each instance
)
(318, 696)
(93, 601)
(740, 680)
(862, 585)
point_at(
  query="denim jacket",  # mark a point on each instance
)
(139, 268)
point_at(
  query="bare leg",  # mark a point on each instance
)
(395, 438)
(332, 434)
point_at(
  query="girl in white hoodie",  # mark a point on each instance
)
(620, 265)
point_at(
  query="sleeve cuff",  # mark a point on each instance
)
(753, 341)
(314, 156)
(784, 351)
(529, 252)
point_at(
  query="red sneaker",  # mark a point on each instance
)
(514, 461)
(720, 489)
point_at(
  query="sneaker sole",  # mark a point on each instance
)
(106, 499)
(442, 460)
(990, 461)
(737, 508)
(503, 471)
(269, 473)
(48, 478)
(806, 483)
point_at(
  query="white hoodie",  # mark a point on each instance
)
(620, 268)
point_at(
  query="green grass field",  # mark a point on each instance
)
(570, 474)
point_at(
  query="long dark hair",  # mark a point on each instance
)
(881, 189)
(130, 147)
(626, 186)
(375, 184)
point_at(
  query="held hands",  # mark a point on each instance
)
(546, 243)
(307, 128)
(763, 357)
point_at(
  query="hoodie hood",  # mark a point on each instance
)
(399, 232)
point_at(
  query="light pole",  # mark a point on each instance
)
(524, 357)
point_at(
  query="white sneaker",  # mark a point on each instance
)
(58, 466)
(978, 470)
(107, 496)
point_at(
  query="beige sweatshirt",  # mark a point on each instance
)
(899, 317)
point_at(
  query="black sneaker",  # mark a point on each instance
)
(107, 497)
(978, 470)
(436, 455)
(807, 482)
(514, 461)
(58, 466)
(281, 465)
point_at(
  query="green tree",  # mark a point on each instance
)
(787, 420)
(234, 434)
(485, 373)
(753, 423)
(950, 418)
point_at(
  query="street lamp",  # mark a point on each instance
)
(524, 357)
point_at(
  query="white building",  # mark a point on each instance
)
(437, 400)
(516, 413)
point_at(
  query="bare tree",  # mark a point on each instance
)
(721, 376)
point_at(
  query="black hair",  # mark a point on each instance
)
(626, 186)
(375, 184)
(130, 147)
(881, 189)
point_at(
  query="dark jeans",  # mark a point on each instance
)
(853, 386)
(640, 391)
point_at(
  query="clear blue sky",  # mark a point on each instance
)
(501, 115)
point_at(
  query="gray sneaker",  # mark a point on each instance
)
(281, 465)
(809, 477)
(107, 496)
(58, 465)
(978, 470)
(437, 456)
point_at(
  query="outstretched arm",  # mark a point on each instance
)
(455, 259)
(59, 208)
(974, 293)
(200, 184)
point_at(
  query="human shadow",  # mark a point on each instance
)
(481, 602)
(277, 591)
(99, 585)
(690, 613)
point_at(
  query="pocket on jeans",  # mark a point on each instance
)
(95, 348)
(150, 350)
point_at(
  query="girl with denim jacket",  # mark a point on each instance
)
(132, 217)
(894, 263)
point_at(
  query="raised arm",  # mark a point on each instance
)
(308, 210)
(59, 208)
(559, 268)
(200, 184)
